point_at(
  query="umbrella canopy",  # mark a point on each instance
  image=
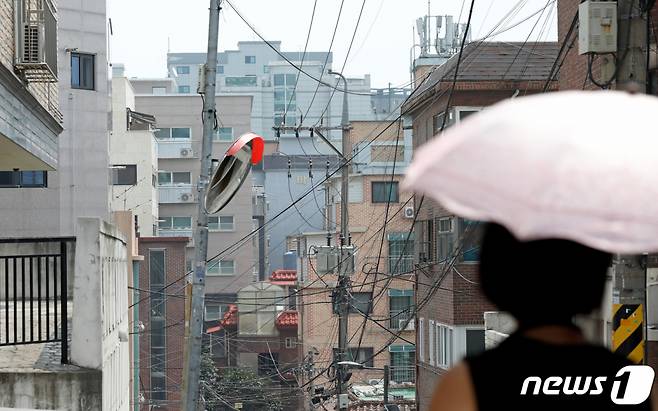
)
(581, 166)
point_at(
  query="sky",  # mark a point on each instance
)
(144, 30)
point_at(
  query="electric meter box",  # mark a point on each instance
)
(597, 30)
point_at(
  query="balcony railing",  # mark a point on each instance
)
(183, 193)
(402, 374)
(175, 232)
(400, 264)
(34, 291)
(172, 148)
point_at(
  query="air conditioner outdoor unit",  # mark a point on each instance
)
(409, 327)
(33, 39)
(185, 197)
(185, 152)
(409, 212)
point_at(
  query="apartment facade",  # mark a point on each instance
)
(133, 157)
(383, 279)
(69, 85)
(162, 337)
(450, 322)
(178, 140)
(257, 70)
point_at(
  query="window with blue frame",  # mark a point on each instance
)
(82, 71)
(249, 59)
(183, 70)
(220, 69)
(403, 363)
(183, 89)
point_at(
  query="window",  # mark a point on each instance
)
(220, 69)
(183, 89)
(362, 355)
(183, 70)
(175, 223)
(432, 342)
(285, 99)
(174, 177)
(124, 174)
(438, 121)
(291, 342)
(181, 132)
(445, 239)
(384, 191)
(249, 59)
(23, 179)
(474, 342)
(400, 253)
(174, 132)
(246, 81)
(221, 223)
(268, 364)
(359, 303)
(221, 267)
(266, 69)
(421, 339)
(214, 312)
(82, 71)
(224, 134)
(159, 91)
(444, 346)
(400, 303)
(403, 360)
(470, 233)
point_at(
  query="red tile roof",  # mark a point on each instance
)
(284, 277)
(229, 320)
(287, 319)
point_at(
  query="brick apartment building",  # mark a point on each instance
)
(382, 284)
(162, 342)
(450, 321)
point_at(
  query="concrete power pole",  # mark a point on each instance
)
(192, 373)
(629, 288)
(343, 276)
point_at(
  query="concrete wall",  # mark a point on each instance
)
(100, 320)
(72, 391)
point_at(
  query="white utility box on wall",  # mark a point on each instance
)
(597, 31)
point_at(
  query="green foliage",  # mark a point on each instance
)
(236, 385)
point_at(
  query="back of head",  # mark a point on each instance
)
(543, 281)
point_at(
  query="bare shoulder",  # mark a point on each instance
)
(455, 391)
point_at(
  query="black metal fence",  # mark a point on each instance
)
(34, 292)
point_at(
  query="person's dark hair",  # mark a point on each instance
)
(542, 281)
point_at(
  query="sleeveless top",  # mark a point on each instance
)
(501, 380)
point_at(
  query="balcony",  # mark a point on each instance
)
(176, 194)
(176, 232)
(172, 148)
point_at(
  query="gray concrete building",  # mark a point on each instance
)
(66, 177)
(178, 136)
(257, 70)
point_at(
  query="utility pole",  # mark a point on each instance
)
(192, 372)
(343, 277)
(630, 282)
(387, 379)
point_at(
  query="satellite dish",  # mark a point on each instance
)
(233, 170)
